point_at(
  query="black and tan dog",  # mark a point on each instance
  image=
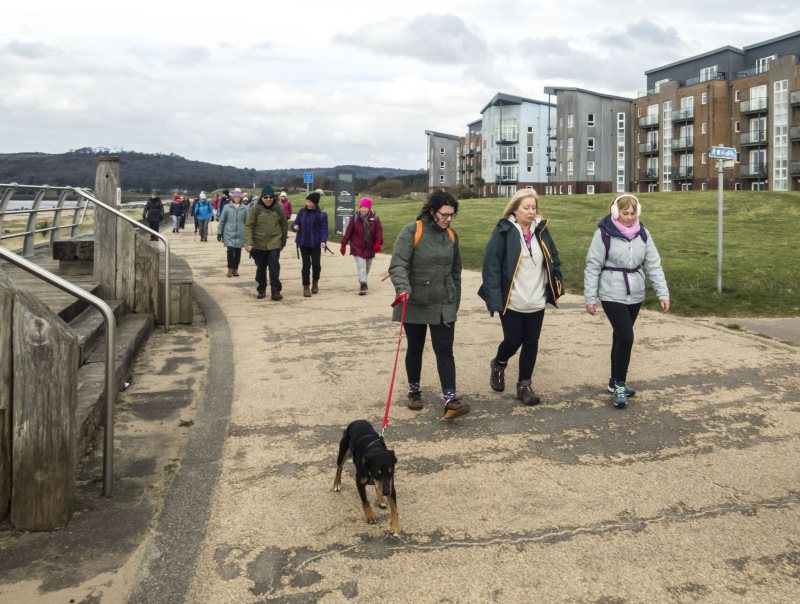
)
(374, 465)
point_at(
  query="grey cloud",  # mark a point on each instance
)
(28, 50)
(432, 38)
(643, 32)
(187, 55)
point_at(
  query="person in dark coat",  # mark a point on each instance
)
(185, 202)
(311, 225)
(364, 233)
(176, 212)
(521, 274)
(153, 213)
(426, 269)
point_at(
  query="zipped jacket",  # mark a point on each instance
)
(153, 210)
(429, 272)
(313, 227)
(354, 235)
(626, 285)
(502, 259)
(203, 210)
(266, 227)
(231, 224)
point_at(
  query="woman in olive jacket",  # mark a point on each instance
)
(521, 274)
(426, 268)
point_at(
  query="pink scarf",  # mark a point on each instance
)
(628, 232)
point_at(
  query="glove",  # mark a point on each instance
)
(344, 248)
(219, 236)
(377, 246)
(399, 299)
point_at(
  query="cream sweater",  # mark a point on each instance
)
(528, 290)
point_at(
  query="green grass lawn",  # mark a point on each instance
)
(761, 246)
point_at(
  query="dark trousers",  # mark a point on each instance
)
(234, 257)
(442, 341)
(311, 265)
(203, 226)
(153, 224)
(183, 221)
(521, 329)
(622, 317)
(268, 260)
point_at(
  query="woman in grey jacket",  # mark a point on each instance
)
(231, 230)
(620, 248)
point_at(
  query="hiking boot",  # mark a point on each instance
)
(363, 290)
(620, 398)
(276, 296)
(261, 295)
(629, 392)
(497, 380)
(525, 393)
(235, 273)
(453, 407)
(314, 287)
(230, 272)
(306, 291)
(414, 400)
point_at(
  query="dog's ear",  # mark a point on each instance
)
(394, 457)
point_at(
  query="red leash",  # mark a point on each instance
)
(404, 298)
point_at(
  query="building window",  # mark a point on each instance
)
(548, 190)
(442, 151)
(736, 125)
(530, 149)
(590, 121)
(530, 129)
(569, 189)
(590, 168)
(529, 187)
(703, 128)
(441, 179)
(561, 168)
(561, 144)
(590, 144)
(570, 143)
(590, 189)
(571, 120)
(560, 122)
(621, 151)
(530, 169)
(762, 65)
(638, 112)
(703, 186)
(702, 158)
(570, 170)
(703, 98)
(708, 73)
(780, 141)
(441, 165)
(736, 96)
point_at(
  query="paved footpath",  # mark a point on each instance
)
(690, 494)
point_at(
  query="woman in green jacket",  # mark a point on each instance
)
(426, 267)
(521, 274)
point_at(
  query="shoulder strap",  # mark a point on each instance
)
(606, 240)
(418, 234)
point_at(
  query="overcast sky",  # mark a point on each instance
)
(294, 84)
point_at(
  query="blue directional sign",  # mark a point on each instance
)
(308, 177)
(723, 153)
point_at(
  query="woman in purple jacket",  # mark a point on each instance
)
(311, 225)
(365, 235)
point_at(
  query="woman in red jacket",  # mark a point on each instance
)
(365, 235)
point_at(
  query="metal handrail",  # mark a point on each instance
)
(31, 231)
(28, 245)
(111, 337)
(138, 224)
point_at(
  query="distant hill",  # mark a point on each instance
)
(146, 171)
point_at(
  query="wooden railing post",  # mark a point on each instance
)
(6, 356)
(105, 227)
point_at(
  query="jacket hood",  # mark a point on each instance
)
(611, 229)
(505, 224)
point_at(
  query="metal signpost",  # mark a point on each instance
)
(345, 191)
(308, 178)
(724, 157)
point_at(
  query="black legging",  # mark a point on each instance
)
(622, 317)
(234, 257)
(311, 264)
(442, 341)
(521, 329)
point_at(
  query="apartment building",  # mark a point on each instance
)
(514, 139)
(470, 158)
(745, 98)
(443, 160)
(589, 147)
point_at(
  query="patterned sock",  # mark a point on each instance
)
(413, 386)
(448, 393)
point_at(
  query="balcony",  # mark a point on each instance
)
(758, 105)
(551, 134)
(720, 75)
(752, 71)
(754, 137)
(470, 152)
(649, 121)
(794, 133)
(794, 98)
(509, 138)
(470, 167)
(753, 170)
(684, 143)
(508, 160)
(650, 148)
(650, 174)
(794, 168)
(509, 179)
(685, 114)
(551, 178)
(683, 173)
